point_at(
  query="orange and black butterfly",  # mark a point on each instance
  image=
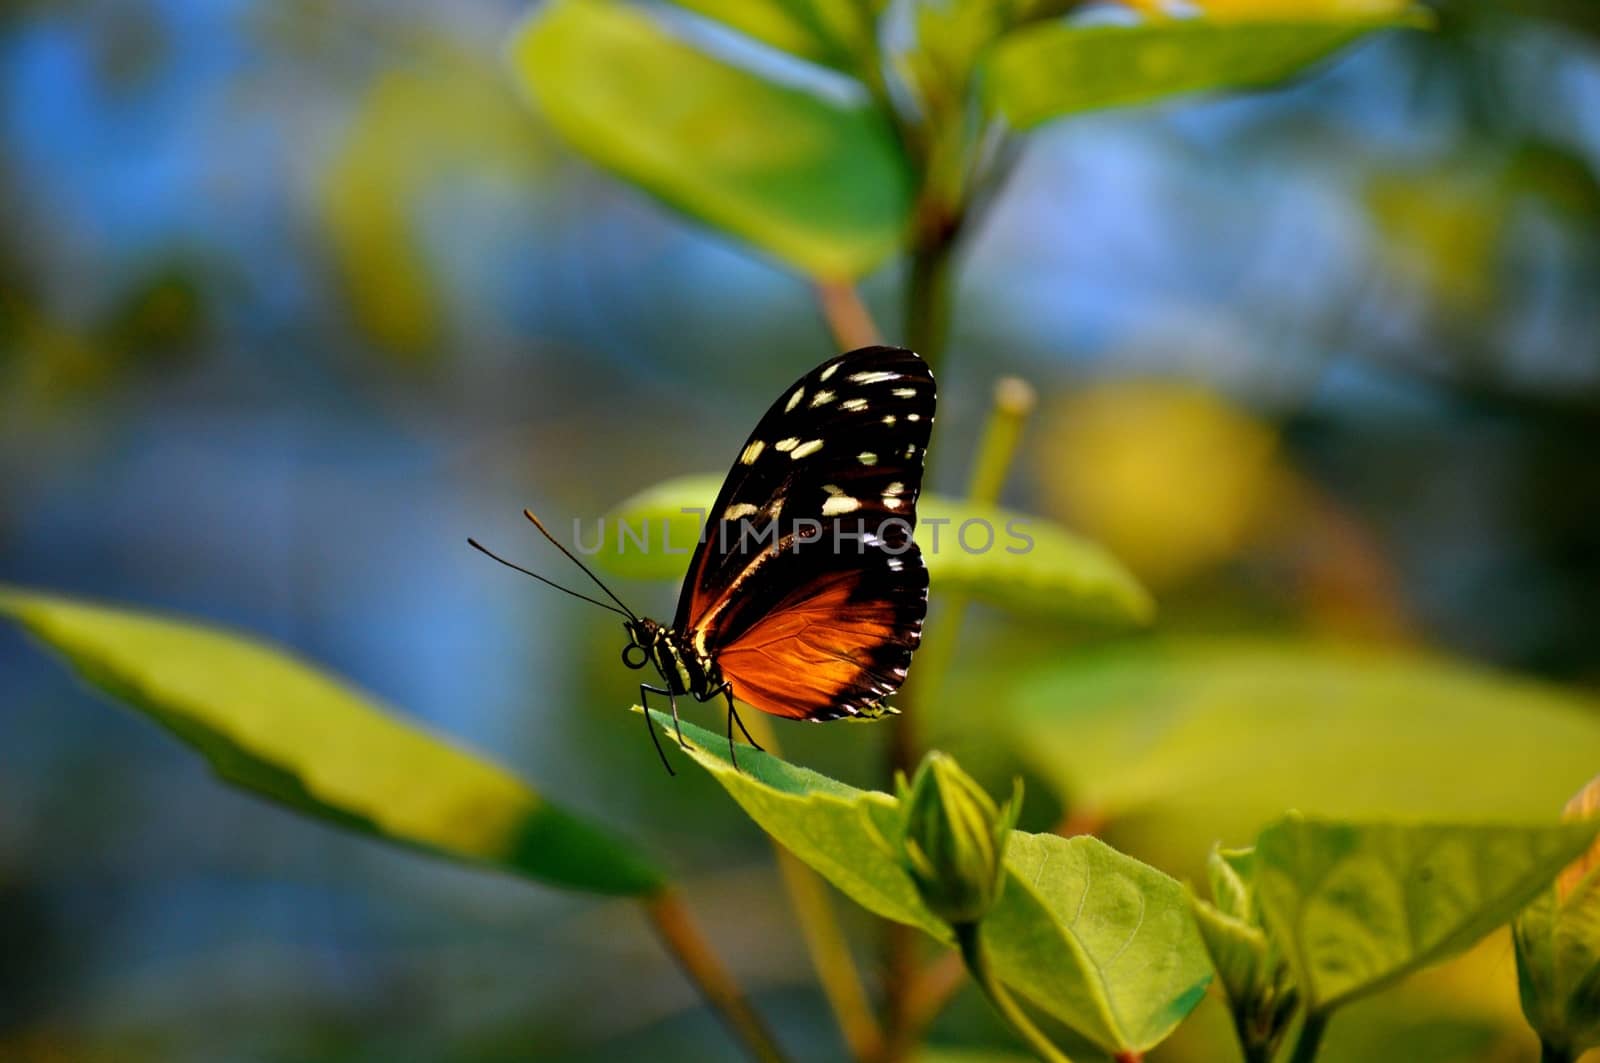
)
(806, 594)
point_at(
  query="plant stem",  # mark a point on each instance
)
(977, 959)
(671, 919)
(1549, 1053)
(847, 316)
(825, 941)
(1309, 1042)
(927, 324)
(929, 991)
(1253, 1050)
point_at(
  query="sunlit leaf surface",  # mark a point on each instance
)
(1058, 68)
(277, 726)
(816, 178)
(1210, 740)
(1101, 941)
(1357, 906)
(836, 33)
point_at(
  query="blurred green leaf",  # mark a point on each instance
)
(416, 126)
(836, 33)
(1057, 574)
(1189, 742)
(1101, 941)
(1057, 68)
(1356, 906)
(818, 180)
(281, 728)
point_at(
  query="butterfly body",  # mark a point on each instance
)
(683, 668)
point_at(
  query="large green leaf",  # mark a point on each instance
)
(1029, 564)
(279, 727)
(1184, 743)
(836, 33)
(1357, 906)
(1101, 941)
(818, 180)
(1052, 69)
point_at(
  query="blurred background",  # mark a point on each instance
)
(295, 296)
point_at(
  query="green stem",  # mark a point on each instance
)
(1252, 1050)
(1310, 1039)
(927, 324)
(977, 959)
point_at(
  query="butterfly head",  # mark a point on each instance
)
(642, 636)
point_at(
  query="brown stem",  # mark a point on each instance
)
(672, 920)
(926, 996)
(847, 316)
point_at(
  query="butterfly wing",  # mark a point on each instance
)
(806, 586)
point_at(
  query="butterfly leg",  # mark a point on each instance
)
(644, 691)
(733, 717)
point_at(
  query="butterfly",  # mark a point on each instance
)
(806, 593)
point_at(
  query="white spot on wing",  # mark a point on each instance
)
(867, 457)
(873, 377)
(794, 400)
(826, 373)
(906, 393)
(752, 452)
(822, 398)
(889, 419)
(840, 504)
(739, 510)
(853, 404)
(913, 416)
(806, 449)
(786, 444)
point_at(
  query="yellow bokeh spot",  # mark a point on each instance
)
(1167, 475)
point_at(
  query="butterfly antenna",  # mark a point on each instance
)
(592, 601)
(537, 523)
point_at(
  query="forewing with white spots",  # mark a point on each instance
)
(806, 586)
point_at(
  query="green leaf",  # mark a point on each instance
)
(836, 33)
(1200, 740)
(281, 728)
(1557, 940)
(1356, 906)
(1558, 966)
(1101, 941)
(1105, 943)
(817, 180)
(1238, 951)
(1051, 573)
(420, 125)
(1057, 68)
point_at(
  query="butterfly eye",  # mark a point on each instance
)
(628, 658)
